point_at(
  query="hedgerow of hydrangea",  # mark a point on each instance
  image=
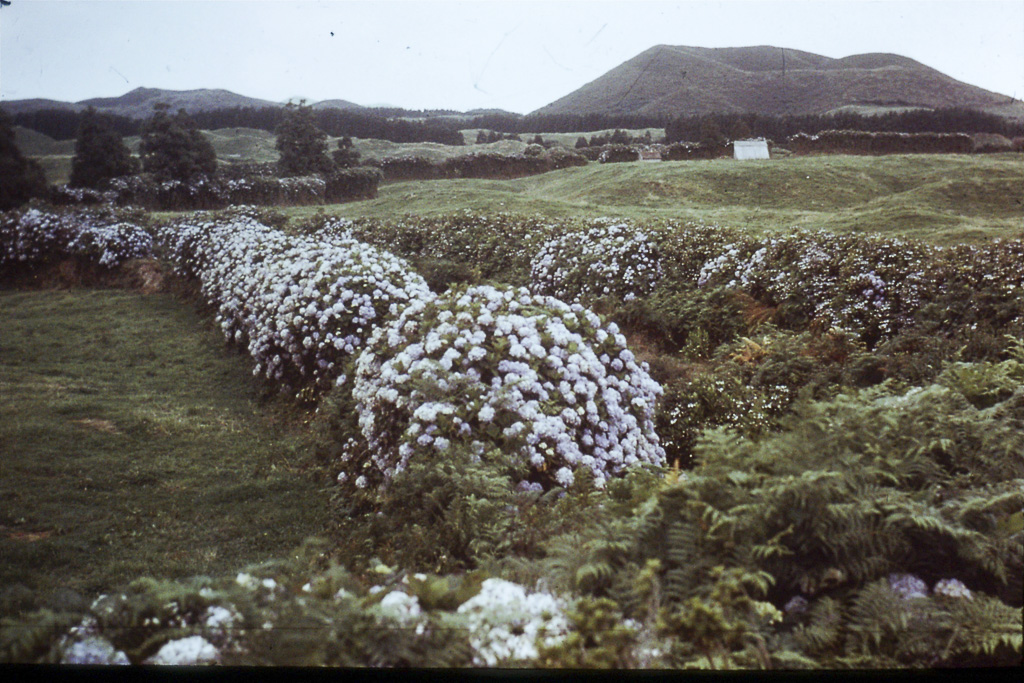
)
(613, 259)
(35, 236)
(871, 286)
(485, 368)
(301, 306)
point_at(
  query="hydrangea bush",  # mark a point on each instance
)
(607, 259)
(98, 237)
(487, 369)
(301, 306)
(868, 285)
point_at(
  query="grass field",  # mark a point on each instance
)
(134, 443)
(939, 198)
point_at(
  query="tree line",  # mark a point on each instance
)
(739, 126)
(63, 124)
(441, 126)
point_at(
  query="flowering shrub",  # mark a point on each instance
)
(502, 369)
(101, 238)
(301, 306)
(506, 623)
(608, 259)
(869, 285)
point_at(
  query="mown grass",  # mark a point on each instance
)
(940, 198)
(132, 443)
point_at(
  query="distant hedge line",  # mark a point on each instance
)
(478, 165)
(861, 142)
(220, 192)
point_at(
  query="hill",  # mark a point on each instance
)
(667, 80)
(336, 104)
(139, 103)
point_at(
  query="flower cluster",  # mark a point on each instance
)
(506, 623)
(607, 259)
(301, 306)
(490, 369)
(34, 236)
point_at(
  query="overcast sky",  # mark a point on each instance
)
(506, 54)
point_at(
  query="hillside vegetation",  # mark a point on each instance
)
(675, 80)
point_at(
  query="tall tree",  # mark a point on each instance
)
(100, 153)
(20, 178)
(303, 146)
(174, 149)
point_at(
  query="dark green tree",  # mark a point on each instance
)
(581, 142)
(346, 156)
(100, 153)
(303, 146)
(481, 137)
(619, 137)
(20, 178)
(537, 140)
(174, 149)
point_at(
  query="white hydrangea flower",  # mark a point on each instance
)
(186, 652)
(506, 623)
(401, 605)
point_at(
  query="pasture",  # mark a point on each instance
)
(938, 198)
(135, 444)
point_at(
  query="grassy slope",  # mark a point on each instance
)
(131, 445)
(943, 198)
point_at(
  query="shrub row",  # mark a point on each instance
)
(219, 192)
(528, 376)
(286, 613)
(102, 238)
(300, 306)
(862, 142)
(478, 165)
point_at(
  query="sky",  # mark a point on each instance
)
(508, 54)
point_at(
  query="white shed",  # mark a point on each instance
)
(750, 149)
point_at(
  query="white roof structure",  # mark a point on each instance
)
(750, 149)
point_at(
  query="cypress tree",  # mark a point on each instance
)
(100, 153)
(22, 178)
(303, 146)
(174, 149)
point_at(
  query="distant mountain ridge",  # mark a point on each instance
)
(680, 80)
(138, 103)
